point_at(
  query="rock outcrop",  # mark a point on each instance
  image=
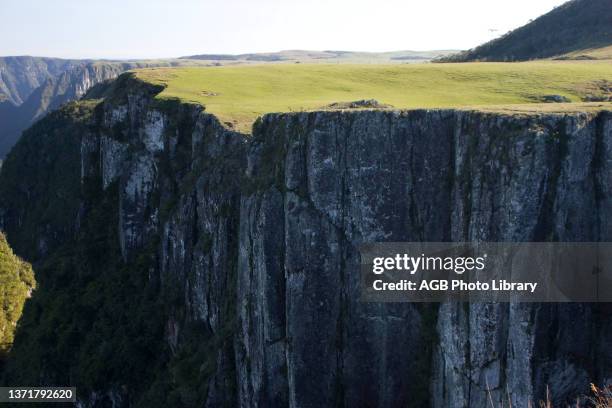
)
(247, 252)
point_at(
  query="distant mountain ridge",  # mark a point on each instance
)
(574, 26)
(324, 56)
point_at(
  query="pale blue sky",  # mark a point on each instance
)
(156, 28)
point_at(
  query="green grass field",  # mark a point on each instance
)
(239, 94)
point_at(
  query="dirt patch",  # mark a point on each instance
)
(597, 91)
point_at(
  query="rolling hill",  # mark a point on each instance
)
(567, 30)
(324, 56)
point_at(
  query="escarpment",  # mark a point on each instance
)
(183, 264)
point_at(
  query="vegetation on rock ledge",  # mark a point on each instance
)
(16, 284)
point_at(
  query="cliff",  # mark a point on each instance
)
(181, 263)
(67, 86)
(20, 76)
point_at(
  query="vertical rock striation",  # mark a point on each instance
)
(322, 183)
(525, 179)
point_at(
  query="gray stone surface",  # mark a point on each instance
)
(326, 182)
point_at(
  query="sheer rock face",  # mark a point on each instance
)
(540, 181)
(179, 194)
(257, 240)
(326, 182)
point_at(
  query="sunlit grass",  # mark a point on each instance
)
(602, 53)
(239, 94)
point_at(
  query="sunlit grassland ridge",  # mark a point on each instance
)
(239, 94)
(603, 53)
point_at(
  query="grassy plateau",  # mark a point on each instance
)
(239, 94)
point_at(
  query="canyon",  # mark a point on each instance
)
(182, 263)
